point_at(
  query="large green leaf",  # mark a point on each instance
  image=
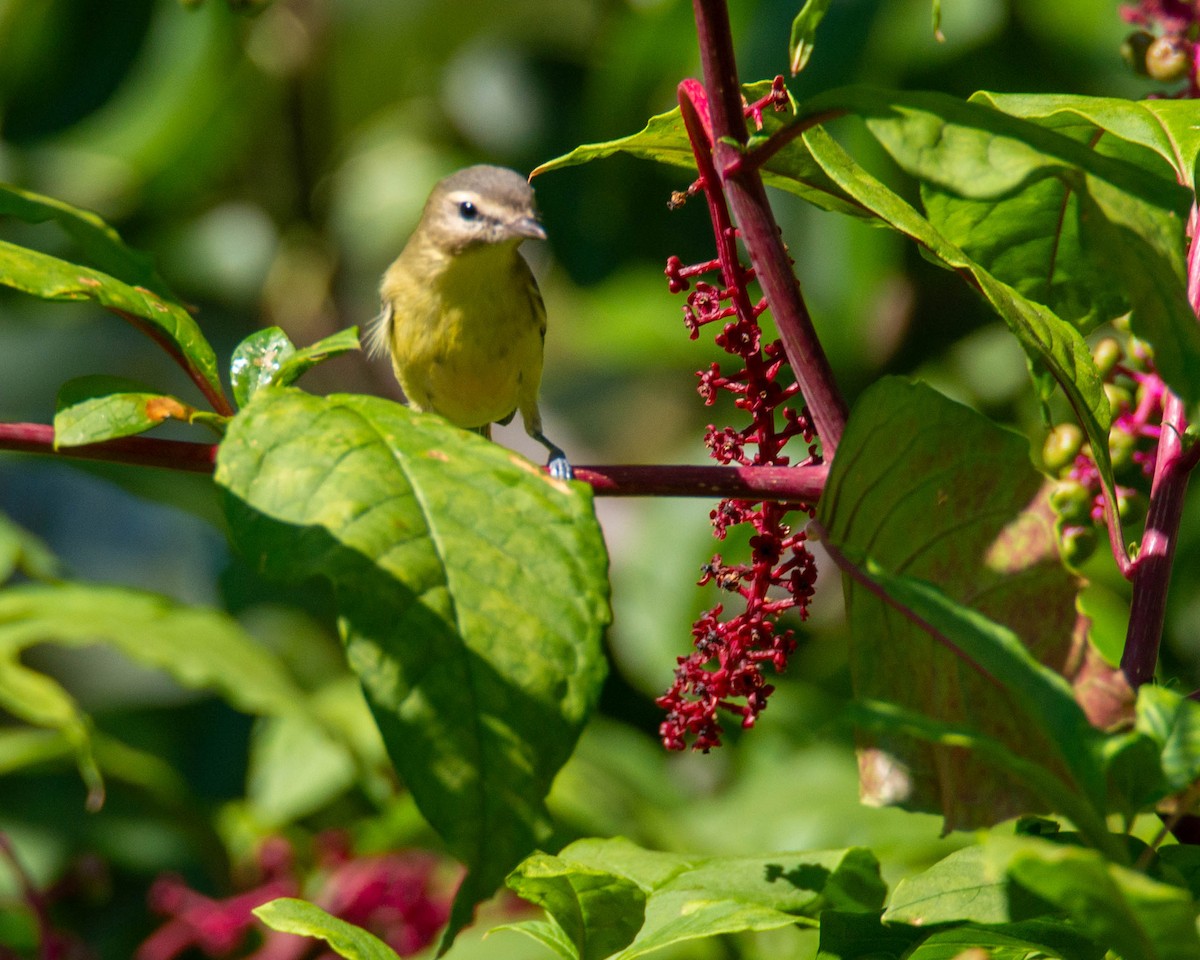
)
(99, 242)
(1172, 722)
(925, 491)
(686, 898)
(472, 590)
(961, 886)
(1122, 909)
(201, 649)
(1168, 128)
(1091, 234)
(304, 919)
(165, 321)
(1046, 339)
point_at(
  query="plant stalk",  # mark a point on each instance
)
(758, 229)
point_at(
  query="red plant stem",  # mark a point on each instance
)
(214, 395)
(759, 231)
(754, 159)
(1152, 568)
(1172, 468)
(141, 451)
(754, 483)
(785, 484)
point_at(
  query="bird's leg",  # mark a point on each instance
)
(558, 465)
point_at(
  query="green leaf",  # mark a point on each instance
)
(1165, 127)
(472, 590)
(1172, 721)
(925, 491)
(1045, 338)
(599, 913)
(163, 320)
(21, 551)
(688, 898)
(288, 915)
(256, 360)
(1089, 234)
(268, 357)
(97, 408)
(38, 700)
(962, 886)
(304, 359)
(863, 936)
(804, 32)
(201, 649)
(1011, 942)
(1125, 911)
(100, 243)
(664, 139)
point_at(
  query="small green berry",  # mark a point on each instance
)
(1072, 502)
(1077, 544)
(1120, 448)
(1119, 398)
(1167, 59)
(1062, 445)
(1106, 354)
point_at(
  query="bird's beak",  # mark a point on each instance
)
(528, 227)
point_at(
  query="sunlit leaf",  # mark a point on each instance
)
(1047, 339)
(97, 408)
(961, 886)
(42, 702)
(288, 915)
(804, 31)
(166, 322)
(304, 359)
(598, 913)
(472, 590)
(686, 898)
(664, 139)
(200, 648)
(256, 361)
(1123, 909)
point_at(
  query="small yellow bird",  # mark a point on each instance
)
(463, 319)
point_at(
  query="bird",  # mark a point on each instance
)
(462, 318)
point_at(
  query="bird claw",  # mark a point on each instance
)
(560, 469)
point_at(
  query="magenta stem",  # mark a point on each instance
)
(788, 484)
(759, 231)
(1172, 468)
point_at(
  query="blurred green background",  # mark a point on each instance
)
(273, 164)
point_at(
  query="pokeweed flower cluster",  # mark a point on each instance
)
(403, 898)
(725, 669)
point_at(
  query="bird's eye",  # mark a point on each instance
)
(467, 210)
